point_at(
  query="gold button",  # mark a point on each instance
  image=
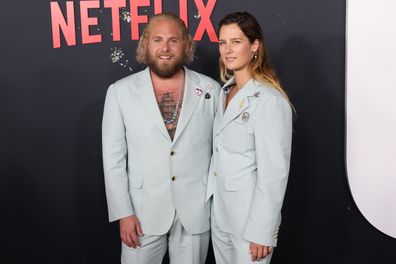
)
(215, 174)
(173, 153)
(173, 178)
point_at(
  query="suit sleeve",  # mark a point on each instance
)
(114, 148)
(273, 133)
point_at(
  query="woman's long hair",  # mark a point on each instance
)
(259, 66)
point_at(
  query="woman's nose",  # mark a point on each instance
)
(228, 48)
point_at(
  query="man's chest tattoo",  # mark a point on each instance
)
(170, 106)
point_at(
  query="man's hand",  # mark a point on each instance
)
(258, 251)
(130, 231)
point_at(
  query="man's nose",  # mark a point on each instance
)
(165, 46)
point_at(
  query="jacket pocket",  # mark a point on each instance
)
(136, 181)
(241, 183)
(237, 137)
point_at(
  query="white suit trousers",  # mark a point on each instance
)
(184, 248)
(230, 249)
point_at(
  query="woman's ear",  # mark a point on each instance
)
(255, 46)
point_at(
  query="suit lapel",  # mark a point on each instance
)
(149, 102)
(237, 105)
(223, 96)
(190, 101)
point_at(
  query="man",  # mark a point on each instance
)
(157, 135)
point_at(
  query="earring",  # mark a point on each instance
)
(255, 55)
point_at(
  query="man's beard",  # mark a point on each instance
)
(164, 70)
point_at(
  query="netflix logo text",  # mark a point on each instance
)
(63, 19)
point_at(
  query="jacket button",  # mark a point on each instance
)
(173, 153)
(173, 178)
(215, 174)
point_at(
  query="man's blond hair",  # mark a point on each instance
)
(141, 51)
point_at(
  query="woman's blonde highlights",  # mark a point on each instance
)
(259, 66)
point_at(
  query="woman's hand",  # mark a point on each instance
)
(258, 251)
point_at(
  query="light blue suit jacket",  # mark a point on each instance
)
(250, 163)
(138, 164)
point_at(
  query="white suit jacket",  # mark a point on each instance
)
(250, 163)
(146, 173)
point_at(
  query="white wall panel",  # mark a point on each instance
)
(371, 109)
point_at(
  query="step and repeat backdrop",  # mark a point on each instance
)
(58, 59)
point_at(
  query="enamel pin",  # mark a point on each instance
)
(245, 116)
(198, 92)
(241, 103)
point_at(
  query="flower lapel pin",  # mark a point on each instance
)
(198, 92)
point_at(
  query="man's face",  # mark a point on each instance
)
(165, 50)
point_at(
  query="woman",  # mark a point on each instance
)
(251, 150)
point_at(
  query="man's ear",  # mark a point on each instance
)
(189, 49)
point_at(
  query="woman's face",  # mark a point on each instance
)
(235, 49)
